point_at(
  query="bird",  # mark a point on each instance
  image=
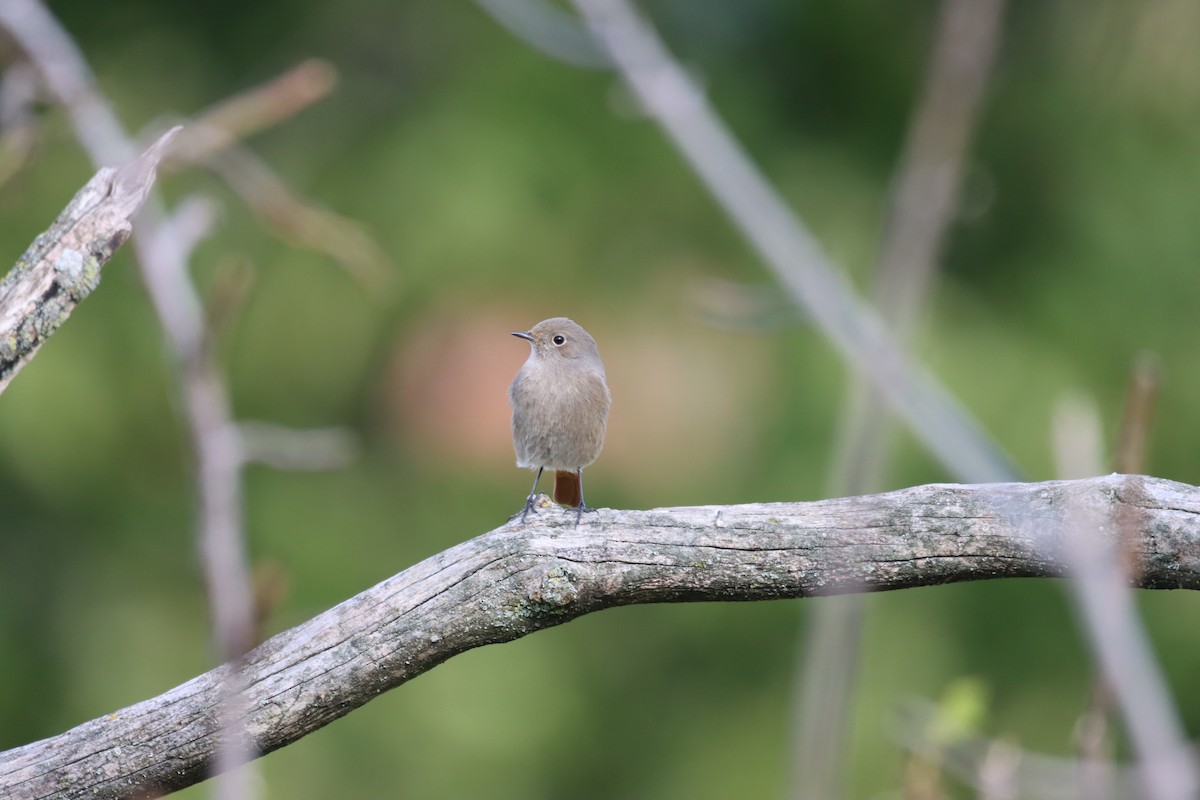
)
(560, 402)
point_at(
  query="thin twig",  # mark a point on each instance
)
(1100, 572)
(307, 450)
(234, 119)
(1092, 731)
(212, 139)
(827, 659)
(299, 222)
(1099, 586)
(549, 30)
(998, 768)
(921, 207)
(293, 219)
(1076, 436)
(1133, 437)
(179, 310)
(18, 128)
(671, 97)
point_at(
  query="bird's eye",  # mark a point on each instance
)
(558, 340)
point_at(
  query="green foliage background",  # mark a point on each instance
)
(506, 188)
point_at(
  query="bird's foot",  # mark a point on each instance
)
(582, 509)
(532, 503)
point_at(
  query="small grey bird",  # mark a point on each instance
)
(560, 403)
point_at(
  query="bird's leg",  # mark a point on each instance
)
(529, 500)
(582, 505)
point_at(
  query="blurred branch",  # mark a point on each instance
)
(164, 245)
(68, 79)
(921, 207)
(1092, 731)
(1121, 648)
(298, 222)
(213, 140)
(670, 96)
(236, 118)
(549, 30)
(301, 450)
(1093, 739)
(995, 767)
(827, 666)
(1134, 435)
(738, 306)
(1109, 618)
(18, 129)
(1075, 432)
(283, 213)
(63, 264)
(998, 768)
(924, 198)
(191, 222)
(176, 302)
(516, 580)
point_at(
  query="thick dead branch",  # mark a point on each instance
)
(513, 581)
(62, 266)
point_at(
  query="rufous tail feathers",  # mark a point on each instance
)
(567, 490)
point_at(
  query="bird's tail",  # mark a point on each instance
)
(567, 489)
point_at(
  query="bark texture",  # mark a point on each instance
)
(516, 580)
(62, 266)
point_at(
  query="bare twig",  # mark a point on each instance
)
(176, 302)
(921, 206)
(997, 768)
(164, 246)
(191, 222)
(1076, 436)
(293, 219)
(1093, 740)
(828, 661)
(213, 140)
(920, 209)
(18, 130)
(1092, 731)
(670, 96)
(1122, 649)
(63, 265)
(549, 30)
(298, 222)
(299, 450)
(516, 580)
(67, 77)
(236, 118)
(1100, 587)
(1134, 435)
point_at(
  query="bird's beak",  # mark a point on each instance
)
(526, 335)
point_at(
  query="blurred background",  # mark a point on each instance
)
(504, 187)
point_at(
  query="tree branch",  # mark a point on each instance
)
(513, 581)
(670, 96)
(62, 266)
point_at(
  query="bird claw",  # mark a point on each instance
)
(531, 504)
(538, 501)
(582, 509)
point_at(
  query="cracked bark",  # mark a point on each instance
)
(63, 264)
(515, 580)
